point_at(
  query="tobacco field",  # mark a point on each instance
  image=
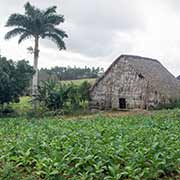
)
(136, 147)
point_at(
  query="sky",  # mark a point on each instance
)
(101, 30)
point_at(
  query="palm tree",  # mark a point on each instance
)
(37, 23)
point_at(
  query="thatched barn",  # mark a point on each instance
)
(134, 82)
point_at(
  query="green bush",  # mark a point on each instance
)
(14, 80)
(63, 98)
(52, 95)
(7, 111)
(172, 105)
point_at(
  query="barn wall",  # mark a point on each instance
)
(124, 82)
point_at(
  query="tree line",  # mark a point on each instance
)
(69, 73)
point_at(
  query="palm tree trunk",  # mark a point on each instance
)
(35, 76)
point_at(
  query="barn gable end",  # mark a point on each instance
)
(134, 82)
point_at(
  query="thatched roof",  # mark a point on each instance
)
(153, 71)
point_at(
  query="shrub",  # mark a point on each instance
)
(172, 105)
(52, 95)
(7, 111)
(63, 98)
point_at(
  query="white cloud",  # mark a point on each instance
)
(101, 30)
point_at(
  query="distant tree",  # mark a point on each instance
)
(14, 79)
(69, 73)
(37, 23)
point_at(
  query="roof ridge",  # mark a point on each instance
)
(139, 57)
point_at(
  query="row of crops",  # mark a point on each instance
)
(97, 148)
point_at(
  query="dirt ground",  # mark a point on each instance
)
(109, 114)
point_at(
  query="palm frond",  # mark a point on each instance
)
(24, 36)
(60, 33)
(18, 20)
(54, 19)
(31, 10)
(50, 10)
(56, 39)
(14, 32)
(49, 28)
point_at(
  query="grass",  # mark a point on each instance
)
(23, 106)
(93, 148)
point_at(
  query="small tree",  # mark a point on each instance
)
(36, 24)
(68, 97)
(84, 89)
(14, 79)
(52, 95)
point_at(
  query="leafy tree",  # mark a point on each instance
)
(74, 97)
(37, 23)
(67, 97)
(14, 79)
(84, 91)
(52, 95)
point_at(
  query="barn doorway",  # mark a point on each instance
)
(122, 103)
